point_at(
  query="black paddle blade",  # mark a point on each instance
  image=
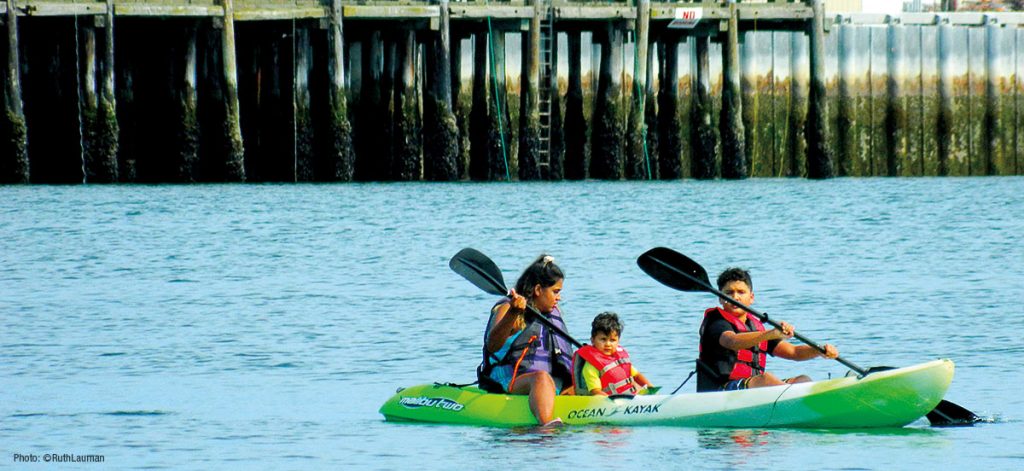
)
(948, 414)
(479, 270)
(673, 269)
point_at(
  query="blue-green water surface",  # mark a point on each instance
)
(261, 326)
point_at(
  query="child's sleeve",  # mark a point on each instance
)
(591, 377)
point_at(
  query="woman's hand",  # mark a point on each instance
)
(518, 302)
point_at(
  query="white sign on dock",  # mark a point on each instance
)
(686, 18)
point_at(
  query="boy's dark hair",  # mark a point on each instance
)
(543, 271)
(734, 274)
(606, 323)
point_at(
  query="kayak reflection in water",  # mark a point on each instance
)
(734, 346)
(521, 355)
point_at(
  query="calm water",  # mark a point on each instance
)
(261, 326)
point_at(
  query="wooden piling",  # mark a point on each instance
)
(762, 104)
(459, 108)
(188, 138)
(389, 113)
(819, 159)
(305, 137)
(929, 113)
(670, 148)
(972, 114)
(895, 110)
(87, 106)
(796, 148)
(846, 122)
(107, 135)
(235, 158)
(703, 132)
(993, 159)
(606, 156)
(500, 158)
(338, 163)
(575, 125)
(14, 163)
(637, 154)
(479, 121)
(529, 109)
(734, 148)
(651, 115)
(407, 164)
(750, 56)
(440, 130)
(944, 121)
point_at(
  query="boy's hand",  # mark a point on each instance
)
(784, 331)
(831, 352)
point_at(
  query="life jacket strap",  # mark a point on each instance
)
(515, 369)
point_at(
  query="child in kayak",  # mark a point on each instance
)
(603, 367)
(522, 355)
(734, 346)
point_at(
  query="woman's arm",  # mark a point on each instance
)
(506, 317)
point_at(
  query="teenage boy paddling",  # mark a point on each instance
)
(734, 346)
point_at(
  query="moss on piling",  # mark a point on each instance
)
(607, 159)
(406, 145)
(14, 166)
(107, 144)
(440, 141)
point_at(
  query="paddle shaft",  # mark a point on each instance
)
(551, 325)
(761, 316)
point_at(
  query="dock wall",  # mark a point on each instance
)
(108, 91)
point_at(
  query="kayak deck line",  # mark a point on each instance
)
(891, 398)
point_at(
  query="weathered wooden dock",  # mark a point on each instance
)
(232, 90)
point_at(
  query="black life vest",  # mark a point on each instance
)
(742, 363)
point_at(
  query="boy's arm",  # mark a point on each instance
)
(803, 352)
(741, 341)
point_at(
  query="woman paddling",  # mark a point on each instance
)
(520, 354)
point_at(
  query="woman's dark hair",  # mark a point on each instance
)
(734, 274)
(543, 272)
(606, 323)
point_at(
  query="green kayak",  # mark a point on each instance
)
(891, 398)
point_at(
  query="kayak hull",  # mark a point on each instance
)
(891, 398)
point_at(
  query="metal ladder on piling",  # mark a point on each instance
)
(547, 87)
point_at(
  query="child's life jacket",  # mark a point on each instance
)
(614, 369)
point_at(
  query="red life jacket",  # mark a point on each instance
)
(615, 371)
(749, 362)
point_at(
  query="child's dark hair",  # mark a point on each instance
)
(543, 272)
(734, 274)
(606, 323)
